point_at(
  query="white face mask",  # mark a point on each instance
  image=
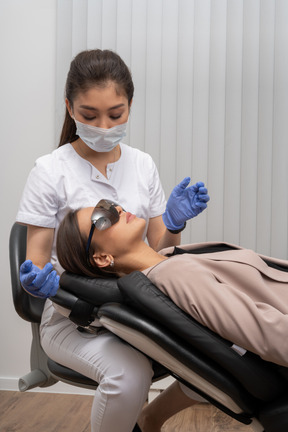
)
(98, 139)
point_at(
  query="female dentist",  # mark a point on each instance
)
(89, 163)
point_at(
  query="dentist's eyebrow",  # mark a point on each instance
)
(117, 106)
(95, 109)
(88, 107)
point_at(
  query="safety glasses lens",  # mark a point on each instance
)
(104, 215)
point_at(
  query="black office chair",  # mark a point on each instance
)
(252, 391)
(44, 371)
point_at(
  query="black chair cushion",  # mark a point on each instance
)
(29, 308)
(96, 291)
(160, 343)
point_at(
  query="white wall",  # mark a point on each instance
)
(27, 82)
(211, 101)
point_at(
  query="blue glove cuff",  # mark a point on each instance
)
(170, 225)
(178, 230)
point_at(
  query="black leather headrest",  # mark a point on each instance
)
(96, 291)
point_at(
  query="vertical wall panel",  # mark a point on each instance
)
(63, 59)
(200, 111)
(279, 225)
(79, 26)
(265, 126)
(184, 107)
(124, 40)
(109, 24)
(94, 24)
(211, 101)
(183, 162)
(217, 105)
(153, 72)
(124, 30)
(169, 99)
(249, 115)
(233, 95)
(138, 66)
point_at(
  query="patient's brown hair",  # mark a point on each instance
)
(71, 249)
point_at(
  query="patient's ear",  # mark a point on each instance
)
(102, 259)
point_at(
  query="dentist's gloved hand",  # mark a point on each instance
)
(40, 283)
(185, 203)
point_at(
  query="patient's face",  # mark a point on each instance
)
(122, 236)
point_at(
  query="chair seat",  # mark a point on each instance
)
(65, 374)
(70, 376)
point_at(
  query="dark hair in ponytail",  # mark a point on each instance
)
(89, 69)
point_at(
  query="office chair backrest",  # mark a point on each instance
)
(29, 308)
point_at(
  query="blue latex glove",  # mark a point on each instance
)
(40, 283)
(185, 203)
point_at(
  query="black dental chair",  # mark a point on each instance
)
(240, 383)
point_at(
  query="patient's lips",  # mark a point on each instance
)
(129, 217)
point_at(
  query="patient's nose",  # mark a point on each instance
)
(120, 210)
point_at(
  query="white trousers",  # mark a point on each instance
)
(123, 373)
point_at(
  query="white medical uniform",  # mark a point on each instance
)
(62, 181)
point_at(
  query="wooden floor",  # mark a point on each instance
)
(47, 412)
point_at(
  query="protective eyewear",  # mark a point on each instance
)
(103, 217)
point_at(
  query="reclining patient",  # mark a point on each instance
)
(230, 290)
